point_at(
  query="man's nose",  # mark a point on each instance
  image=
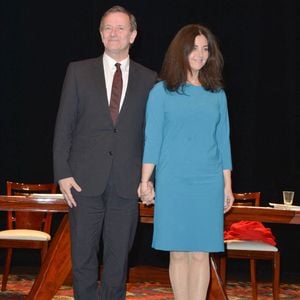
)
(113, 31)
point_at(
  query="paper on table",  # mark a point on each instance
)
(47, 196)
(283, 206)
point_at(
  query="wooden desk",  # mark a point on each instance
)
(263, 214)
(57, 264)
(237, 213)
(32, 204)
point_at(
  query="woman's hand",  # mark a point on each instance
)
(228, 199)
(146, 192)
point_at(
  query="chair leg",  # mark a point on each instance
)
(253, 278)
(276, 276)
(6, 269)
(223, 268)
(44, 251)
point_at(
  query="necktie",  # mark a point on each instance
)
(116, 92)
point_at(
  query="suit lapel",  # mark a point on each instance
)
(101, 86)
(99, 78)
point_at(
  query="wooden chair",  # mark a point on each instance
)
(252, 250)
(29, 230)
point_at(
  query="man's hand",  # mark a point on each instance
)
(146, 192)
(65, 185)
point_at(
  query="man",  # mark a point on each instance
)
(97, 157)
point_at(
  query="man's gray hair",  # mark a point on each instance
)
(121, 9)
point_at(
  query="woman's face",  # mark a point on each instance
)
(199, 55)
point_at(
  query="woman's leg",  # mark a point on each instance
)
(178, 271)
(199, 275)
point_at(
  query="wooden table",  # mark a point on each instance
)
(237, 213)
(263, 214)
(57, 264)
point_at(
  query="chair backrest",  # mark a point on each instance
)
(247, 199)
(29, 220)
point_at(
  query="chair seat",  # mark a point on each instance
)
(26, 229)
(24, 234)
(249, 245)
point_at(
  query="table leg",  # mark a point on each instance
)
(216, 289)
(56, 266)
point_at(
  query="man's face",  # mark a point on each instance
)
(116, 34)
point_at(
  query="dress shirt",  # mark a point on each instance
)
(109, 71)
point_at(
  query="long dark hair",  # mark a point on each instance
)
(176, 66)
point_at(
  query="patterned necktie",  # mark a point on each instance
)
(116, 92)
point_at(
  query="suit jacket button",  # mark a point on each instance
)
(110, 153)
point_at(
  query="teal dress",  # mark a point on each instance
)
(187, 139)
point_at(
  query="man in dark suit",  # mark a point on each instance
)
(97, 157)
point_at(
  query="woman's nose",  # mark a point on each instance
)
(200, 52)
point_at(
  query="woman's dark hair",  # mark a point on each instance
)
(176, 66)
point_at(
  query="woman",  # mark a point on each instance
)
(187, 140)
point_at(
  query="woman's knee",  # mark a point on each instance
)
(178, 257)
(199, 257)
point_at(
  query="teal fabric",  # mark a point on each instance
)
(187, 138)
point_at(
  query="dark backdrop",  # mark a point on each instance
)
(260, 43)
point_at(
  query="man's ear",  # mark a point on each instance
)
(133, 36)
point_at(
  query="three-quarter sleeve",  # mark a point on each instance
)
(154, 125)
(223, 134)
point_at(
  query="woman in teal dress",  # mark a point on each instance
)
(187, 142)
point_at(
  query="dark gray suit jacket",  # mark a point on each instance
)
(87, 146)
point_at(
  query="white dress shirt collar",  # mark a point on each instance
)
(109, 63)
